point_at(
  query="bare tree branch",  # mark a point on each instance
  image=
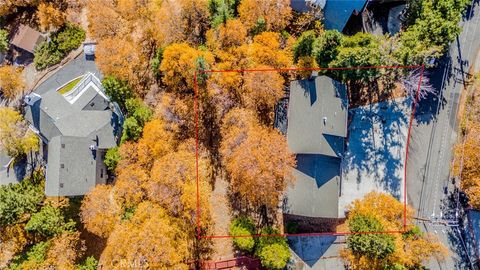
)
(411, 83)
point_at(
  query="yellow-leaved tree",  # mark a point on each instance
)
(180, 61)
(100, 211)
(256, 159)
(157, 141)
(261, 91)
(125, 62)
(13, 239)
(231, 34)
(49, 16)
(468, 154)
(173, 185)
(272, 15)
(150, 239)
(16, 139)
(11, 81)
(64, 251)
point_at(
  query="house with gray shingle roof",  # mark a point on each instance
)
(77, 125)
(316, 133)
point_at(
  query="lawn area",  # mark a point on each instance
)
(66, 88)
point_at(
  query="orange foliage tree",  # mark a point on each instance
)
(64, 251)
(129, 184)
(179, 64)
(231, 34)
(275, 13)
(12, 240)
(100, 211)
(126, 62)
(173, 185)
(150, 239)
(262, 90)
(167, 24)
(11, 81)
(157, 141)
(382, 212)
(256, 159)
(105, 24)
(177, 115)
(469, 155)
(50, 16)
(268, 49)
(195, 15)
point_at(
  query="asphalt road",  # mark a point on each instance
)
(432, 138)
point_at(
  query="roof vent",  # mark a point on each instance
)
(31, 99)
(324, 120)
(93, 147)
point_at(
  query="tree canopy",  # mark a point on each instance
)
(380, 212)
(48, 222)
(150, 238)
(11, 81)
(16, 138)
(252, 152)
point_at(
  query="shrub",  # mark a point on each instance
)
(325, 48)
(62, 42)
(304, 45)
(131, 130)
(69, 38)
(112, 157)
(46, 55)
(156, 61)
(33, 257)
(117, 90)
(274, 256)
(243, 226)
(221, 11)
(372, 245)
(142, 114)
(90, 263)
(270, 240)
(16, 200)
(273, 251)
(49, 222)
(260, 26)
(139, 114)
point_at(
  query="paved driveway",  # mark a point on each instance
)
(375, 156)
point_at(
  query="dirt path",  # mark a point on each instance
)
(221, 215)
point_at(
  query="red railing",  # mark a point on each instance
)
(246, 262)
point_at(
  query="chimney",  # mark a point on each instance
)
(31, 99)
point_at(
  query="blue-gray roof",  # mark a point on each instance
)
(73, 168)
(317, 117)
(335, 12)
(316, 189)
(78, 129)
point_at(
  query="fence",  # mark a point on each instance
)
(243, 262)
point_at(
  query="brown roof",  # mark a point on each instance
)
(26, 38)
